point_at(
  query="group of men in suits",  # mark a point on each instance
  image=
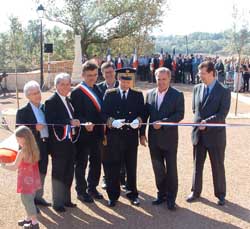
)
(115, 112)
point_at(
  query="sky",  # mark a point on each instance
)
(182, 18)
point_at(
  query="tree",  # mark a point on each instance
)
(101, 21)
(240, 37)
(32, 42)
(16, 45)
(4, 42)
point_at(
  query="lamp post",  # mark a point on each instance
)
(40, 11)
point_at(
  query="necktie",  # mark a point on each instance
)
(72, 112)
(206, 94)
(69, 106)
(123, 95)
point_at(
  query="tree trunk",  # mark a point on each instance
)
(84, 47)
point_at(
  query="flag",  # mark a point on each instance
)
(135, 61)
(173, 53)
(152, 66)
(119, 62)
(161, 63)
(108, 55)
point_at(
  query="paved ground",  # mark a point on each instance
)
(204, 214)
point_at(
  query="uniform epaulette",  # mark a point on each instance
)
(111, 90)
(136, 89)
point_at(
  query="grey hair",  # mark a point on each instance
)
(160, 70)
(30, 85)
(61, 76)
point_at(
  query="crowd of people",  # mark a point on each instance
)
(184, 68)
(103, 124)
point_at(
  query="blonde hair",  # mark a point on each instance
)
(30, 148)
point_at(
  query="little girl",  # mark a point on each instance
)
(28, 179)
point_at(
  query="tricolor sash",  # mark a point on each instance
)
(91, 95)
(67, 134)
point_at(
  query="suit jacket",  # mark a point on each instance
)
(25, 115)
(213, 110)
(113, 108)
(56, 113)
(171, 110)
(103, 87)
(85, 111)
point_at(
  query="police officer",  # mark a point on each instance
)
(122, 111)
(108, 72)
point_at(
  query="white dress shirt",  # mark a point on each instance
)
(160, 97)
(121, 92)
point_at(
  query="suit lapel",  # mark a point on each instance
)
(202, 88)
(154, 99)
(61, 104)
(32, 115)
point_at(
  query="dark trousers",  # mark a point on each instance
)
(112, 170)
(165, 170)
(246, 83)
(43, 165)
(217, 156)
(62, 173)
(104, 150)
(92, 152)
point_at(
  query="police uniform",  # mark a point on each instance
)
(122, 142)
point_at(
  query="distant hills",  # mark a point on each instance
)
(199, 42)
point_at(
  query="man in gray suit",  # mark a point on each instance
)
(211, 103)
(164, 104)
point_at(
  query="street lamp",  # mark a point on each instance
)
(40, 11)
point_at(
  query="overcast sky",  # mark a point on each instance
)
(184, 17)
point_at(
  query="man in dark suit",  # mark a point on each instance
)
(33, 116)
(108, 72)
(164, 104)
(211, 104)
(87, 99)
(122, 110)
(59, 111)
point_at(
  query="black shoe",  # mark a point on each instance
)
(32, 226)
(159, 200)
(135, 201)
(42, 202)
(112, 203)
(22, 222)
(171, 205)
(37, 210)
(192, 197)
(59, 209)
(221, 201)
(85, 197)
(95, 194)
(70, 205)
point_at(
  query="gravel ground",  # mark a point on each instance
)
(203, 214)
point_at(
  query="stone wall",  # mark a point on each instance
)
(55, 67)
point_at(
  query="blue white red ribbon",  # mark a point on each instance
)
(160, 123)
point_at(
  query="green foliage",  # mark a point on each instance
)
(101, 21)
(199, 42)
